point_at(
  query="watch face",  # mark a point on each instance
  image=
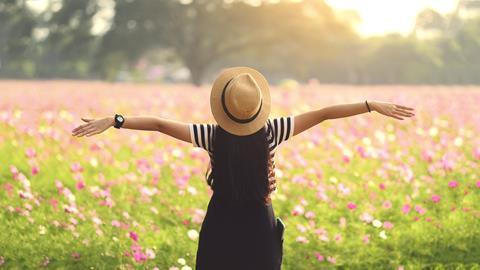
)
(119, 119)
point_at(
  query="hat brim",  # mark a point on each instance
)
(222, 119)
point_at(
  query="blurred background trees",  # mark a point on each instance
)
(189, 40)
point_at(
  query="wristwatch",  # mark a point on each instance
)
(119, 120)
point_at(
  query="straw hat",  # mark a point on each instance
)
(240, 100)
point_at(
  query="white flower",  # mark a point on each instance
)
(97, 221)
(181, 261)
(192, 190)
(377, 223)
(383, 235)
(186, 267)
(192, 234)
(42, 229)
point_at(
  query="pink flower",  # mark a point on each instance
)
(338, 237)
(362, 151)
(135, 247)
(80, 184)
(76, 255)
(435, 198)
(319, 257)
(331, 260)
(321, 231)
(366, 238)
(30, 153)
(406, 208)
(76, 167)
(143, 166)
(427, 155)
(59, 185)
(387, 225)
(387, 204)
(150, 254)
(14, 171)
(139, 256)
(476, 152)
(478, 184)
(351, 205)
(116, 223)
(35, 170)
(310, 215)
(73, 221)
(419, 209)
(302, 239)
(54, 202)
(298, 210)
(134, 236)
(453, 184)
(107, 202)
(96, 146)
(366, 217)
(25, 194)
(181, 181)
(447, 163)
(382, 186)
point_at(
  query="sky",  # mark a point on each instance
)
(385, 16)
(379, 17)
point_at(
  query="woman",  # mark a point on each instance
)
(240, 230)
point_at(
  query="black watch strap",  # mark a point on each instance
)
(119, 120)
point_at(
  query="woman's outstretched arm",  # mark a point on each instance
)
(172, 128)
(309, 119)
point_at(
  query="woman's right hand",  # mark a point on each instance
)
(390, 109)
(93, 126)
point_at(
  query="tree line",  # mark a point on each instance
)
(285, 39)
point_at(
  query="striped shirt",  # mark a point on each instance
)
(279, 130)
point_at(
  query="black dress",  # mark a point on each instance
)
(245, 236)
(239, 237)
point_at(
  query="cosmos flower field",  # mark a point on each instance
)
(364, 192)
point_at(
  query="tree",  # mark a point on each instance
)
(205, 32)
(68, 48)
(16, 27)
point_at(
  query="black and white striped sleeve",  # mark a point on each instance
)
(202, 135)
(280, 130)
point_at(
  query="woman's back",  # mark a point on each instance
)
(242, 166)
(240, 218)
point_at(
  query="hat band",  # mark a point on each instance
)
(231, 116)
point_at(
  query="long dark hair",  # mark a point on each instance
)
(240, 165)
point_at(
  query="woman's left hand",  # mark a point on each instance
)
(393, 110)
(93, 126)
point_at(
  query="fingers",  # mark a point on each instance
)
(85, 132)
(93, 133)
(404, 113)
(403, 107)
(395, 116)
(87, 119)
(80, 129)
(77, 130)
